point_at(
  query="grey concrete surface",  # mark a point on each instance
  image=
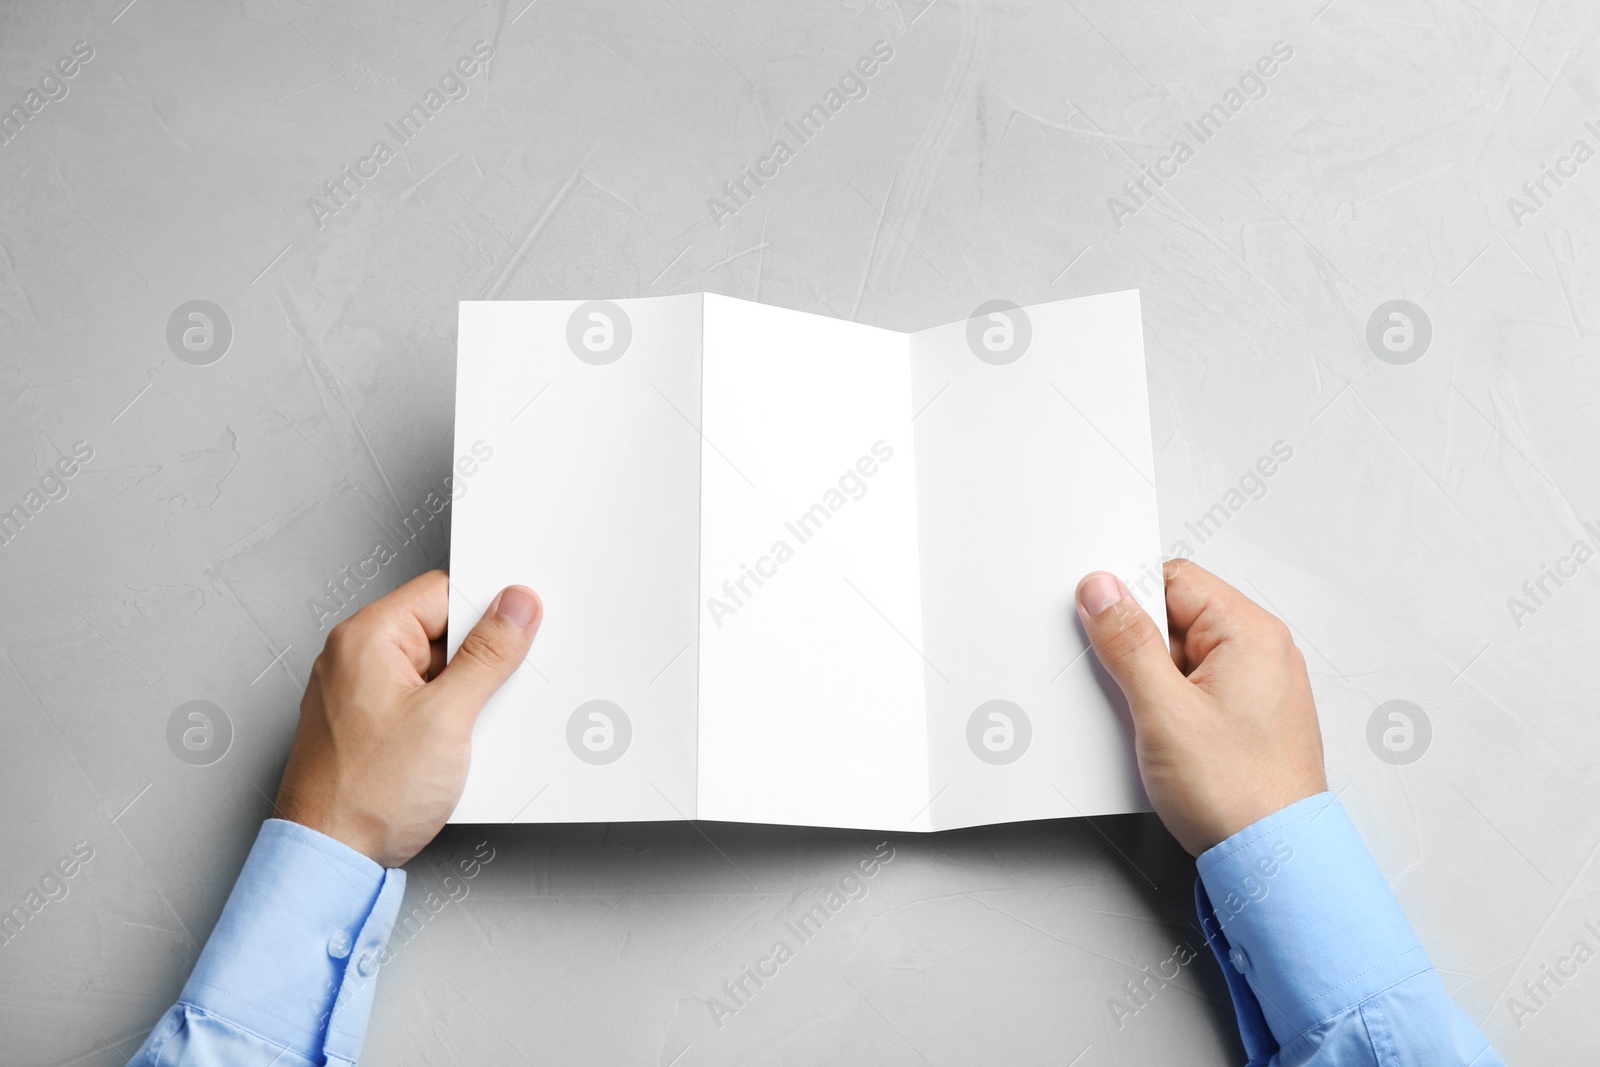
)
(1407, 540)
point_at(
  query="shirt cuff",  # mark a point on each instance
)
(1300, 911)
(292, 957)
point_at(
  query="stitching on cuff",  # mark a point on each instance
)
(1426, 966)
(1360, 1004)
(1384, 1052)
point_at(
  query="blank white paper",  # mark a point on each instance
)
(591, 498)
(799, 570)
(1031, 475)
(811, 703)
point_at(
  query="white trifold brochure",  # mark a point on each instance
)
(800, 570)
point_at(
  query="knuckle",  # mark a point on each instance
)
(1263, 628)
(1297, 660)
(343, 637)
(1133, 631)
(488, 650)
(1277, 632)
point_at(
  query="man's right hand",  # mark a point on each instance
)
(1225, 728)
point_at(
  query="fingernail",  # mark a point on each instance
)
(517, 605)
(1099, 591)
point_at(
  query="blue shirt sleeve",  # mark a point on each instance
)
(1320, 961)
(287, 975)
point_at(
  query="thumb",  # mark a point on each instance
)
(1126, 640)
(492, 651)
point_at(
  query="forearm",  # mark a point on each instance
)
(1321, 963)
(287, 975)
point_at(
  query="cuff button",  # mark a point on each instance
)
(339, 945)
(367, 965)
(1239, 960)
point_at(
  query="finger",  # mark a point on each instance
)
(406, 619)
(1209, 611)
(1127, 641)
(426, 599)
(492, 650)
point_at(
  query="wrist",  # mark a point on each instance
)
(1266, 797)
(360, 835)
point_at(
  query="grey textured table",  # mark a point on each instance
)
(1420, 540)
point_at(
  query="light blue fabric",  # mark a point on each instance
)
(287, 976)
(1322, 965)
